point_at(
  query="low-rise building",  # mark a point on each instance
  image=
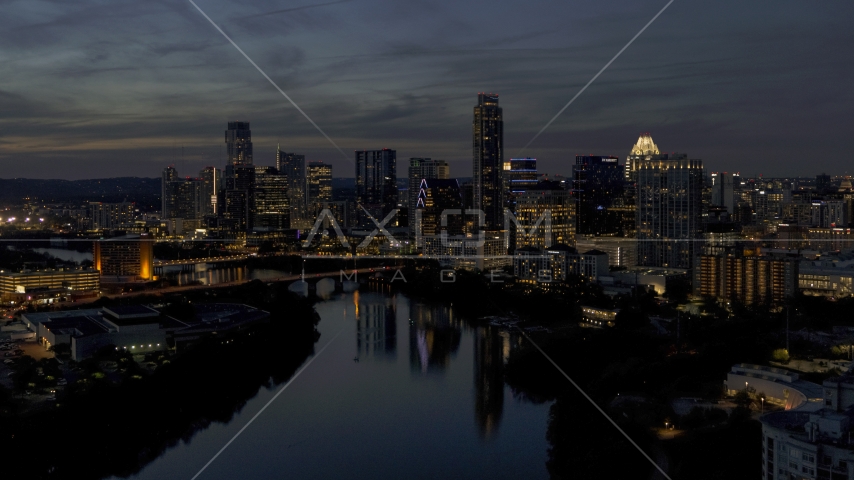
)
(46, 285)
(557, 263)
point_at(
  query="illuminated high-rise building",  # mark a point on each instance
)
(435, 197)
(645, 149)
(319, 182)
(488, 159)
(129, 256)
(269, 203)
(669, 210)
(598, 182)
(238, 141)
(423, 169)
(108, 216)
(293, 166)
(520, 174)
(546, 212)
(376, 184)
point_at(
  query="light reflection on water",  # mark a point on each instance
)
(408, 390)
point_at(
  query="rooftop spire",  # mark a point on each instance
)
(645, 146)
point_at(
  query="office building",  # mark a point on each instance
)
(669, 210)
(488, 153)
(169, 174)
(129, 256)
(645, 149)
(319, 182)
(184, 206)
(211, 187)
(622, 252)
(519, 174)
(724, 188)
(423, 169)
(597, 183)
(238, 142)
(293, 166)
(558, 263)
(270, 207)
(237, 196)
(110, 216)
(435, 197)
(376, 184)
(545, 214)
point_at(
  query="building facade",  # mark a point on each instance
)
(598, 182)
(545, 214)
(293, 166)
(669, 210)
(238, 142)
(129, 256)
(488, 155)
(110, 216)
(745, 277)
(376, 184)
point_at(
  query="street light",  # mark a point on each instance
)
(763, 404)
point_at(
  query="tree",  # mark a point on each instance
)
(780, 355)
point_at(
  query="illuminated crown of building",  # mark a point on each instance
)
(645, 146)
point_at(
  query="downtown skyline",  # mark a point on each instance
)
(123, 92)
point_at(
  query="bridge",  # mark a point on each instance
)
(190, 263)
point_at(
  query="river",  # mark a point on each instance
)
(404, 390)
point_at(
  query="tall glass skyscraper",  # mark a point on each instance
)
(238, 141)
(376, 183)
(293, 166)
(669, 210)
(597, 183)
(421, 169)
(488, 154)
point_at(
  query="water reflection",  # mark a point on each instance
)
(434, 336)
(376, 330)
(215, 276)
(489, 348)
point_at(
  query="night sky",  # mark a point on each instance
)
(116, 88)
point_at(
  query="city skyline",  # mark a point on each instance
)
(739, 96)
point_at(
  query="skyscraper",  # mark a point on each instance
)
(597, 183)
(669, 210)
(238, 141)
(434, 197)
(237, 201)
(319, 182)
(183, 205)
(293, 166)
(270, 208)
(724, 188)
(421, 169)
(644, 149)
(169, 174)
(488, 154)
(532, 206)
(376, 183)
(520, 174)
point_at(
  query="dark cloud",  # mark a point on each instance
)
(106, 87)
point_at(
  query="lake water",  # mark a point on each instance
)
(404, 390)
